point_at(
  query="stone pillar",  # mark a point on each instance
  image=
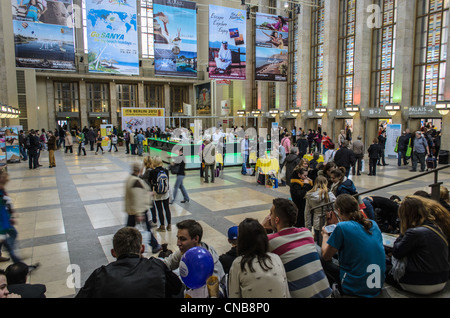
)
(140, 95)
(362, 67)
(330, 62)
(304, 64)
(113, 105)
(50, 107)
(83, 105)
(404, 53)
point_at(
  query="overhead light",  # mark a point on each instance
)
(392, 109)
(443, 107)
(286, 5)
(241, 113)
(256, 113)
(295, 112)
(352, 110)
(321, 111)
(274, 112)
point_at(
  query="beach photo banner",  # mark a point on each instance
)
(44, 34)
(175, 38)
(271, 52)
(227, 43)
(112, 37)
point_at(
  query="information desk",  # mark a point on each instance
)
(191, 151)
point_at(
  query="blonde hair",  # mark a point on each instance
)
(148, 162)
(440, 214)
(157, 162)
(444, 194)
(321, 185)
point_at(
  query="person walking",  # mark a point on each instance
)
(113, 142)
(179, 162)
(138, 200)
(209, 157)
(81, 143)
(402, 147)
(374, 154)
(91, 137)
(358, 150)
(99, 143)
(33, 150)
(420, 151)
(159, 180)
(68, 142)
(382, 142)
(52, 146)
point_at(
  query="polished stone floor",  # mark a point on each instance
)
(68, 215)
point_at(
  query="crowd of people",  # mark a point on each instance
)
(297, 251)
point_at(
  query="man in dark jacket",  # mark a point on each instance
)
(33, 158)
(131, 275)
(402, 143)
(345, 158)
(228, 258)
(382, 142)
(16, 275)
(300, 186)
(91, 136)
(302, 145)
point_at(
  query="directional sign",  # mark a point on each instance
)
(423, 112)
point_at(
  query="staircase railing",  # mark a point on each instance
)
(435, 192)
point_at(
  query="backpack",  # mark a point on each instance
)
(27, 142)
(162, 182)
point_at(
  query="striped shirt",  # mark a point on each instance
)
(305, 274)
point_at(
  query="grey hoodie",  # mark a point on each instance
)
(313, 200)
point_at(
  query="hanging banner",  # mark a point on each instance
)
(143, 118)
(272, 34)
(44, 34)
(203, 97)
(227, 43)
(112, 37)
(175, 38)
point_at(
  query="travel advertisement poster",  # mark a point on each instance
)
(112, 37)
(272, 34)
(175, 38)
(44, 34)
(227, 43)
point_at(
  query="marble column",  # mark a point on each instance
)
(83, 105)
(113, 104)
(304, 64)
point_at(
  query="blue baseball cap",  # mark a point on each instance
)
(233, 233)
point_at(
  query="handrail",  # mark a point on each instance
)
(435, 192)
(435, 171)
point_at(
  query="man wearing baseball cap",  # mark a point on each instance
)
(228, 258)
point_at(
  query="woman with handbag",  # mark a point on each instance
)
(420, 254)
(300, 186)
(177, 168)
(359, 245)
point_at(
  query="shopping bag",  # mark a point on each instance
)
(363, 166)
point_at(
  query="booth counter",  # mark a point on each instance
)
(168, 148)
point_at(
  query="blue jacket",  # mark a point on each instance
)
(347, 187)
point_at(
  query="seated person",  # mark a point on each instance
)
(424, 244)
(384, 211)
(189, 235)
(359, 245)
(227, 259)
(16, 275)
(131, 275)
(223, 61)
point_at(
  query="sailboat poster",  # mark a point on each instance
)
(112, 37)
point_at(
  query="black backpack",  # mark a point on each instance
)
(27, 143)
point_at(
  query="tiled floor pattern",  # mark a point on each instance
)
(69, 214)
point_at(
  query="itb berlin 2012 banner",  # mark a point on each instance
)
(44, 34)
(227, 43)
(112, 37)
(175, 38)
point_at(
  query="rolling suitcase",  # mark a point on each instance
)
(431, 163)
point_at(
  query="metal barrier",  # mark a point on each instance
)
(435, 194)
